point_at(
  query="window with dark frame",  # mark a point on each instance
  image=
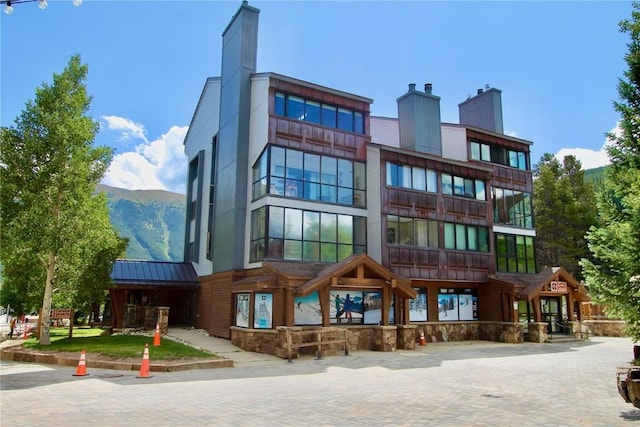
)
(296, 174)
(497, 154)
(515, 253)
(464, 237)
(299, 108)
(296, 234)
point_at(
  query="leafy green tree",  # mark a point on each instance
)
(54, 225)
(613, 272)
(564, 209)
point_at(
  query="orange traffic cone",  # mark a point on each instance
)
(81, 370)
(144, 367)
(156, 337)
(25, 333)
(423, 341)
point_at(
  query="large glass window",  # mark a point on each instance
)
(412, 231)
(411, 177)
(515, 253)
(296, 234)
(466, 237)
(512, 207)
(293, 173)
(258, 234)
(498, 154)
(299, 108)
(464, 187)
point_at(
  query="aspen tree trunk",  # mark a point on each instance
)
(45, 338)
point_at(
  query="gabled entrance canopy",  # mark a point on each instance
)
(529, 286)
(550, 283)
(357, 271)
(290, 280)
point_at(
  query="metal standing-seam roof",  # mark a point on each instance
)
(154, 273)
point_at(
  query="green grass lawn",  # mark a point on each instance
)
(89, 340)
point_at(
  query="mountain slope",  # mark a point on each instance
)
(152, 220)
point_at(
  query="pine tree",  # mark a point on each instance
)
(613, 272)
(564, 209)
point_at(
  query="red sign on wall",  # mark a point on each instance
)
(557, 286)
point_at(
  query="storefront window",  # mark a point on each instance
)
(242, 310)
(457, 304)
(263, 311)
(307, 310)
(372, 305)
(346, 307)
(418, 306)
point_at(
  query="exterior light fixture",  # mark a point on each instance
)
(42, 4)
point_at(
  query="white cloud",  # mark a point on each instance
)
(155, 165)
(128, 129)
(590, 159)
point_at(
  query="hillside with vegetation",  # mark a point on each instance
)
(595, 177)
(152, 220)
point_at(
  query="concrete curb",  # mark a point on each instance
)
(17, 355)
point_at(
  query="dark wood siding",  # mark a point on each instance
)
(313, 137)
(435, 263)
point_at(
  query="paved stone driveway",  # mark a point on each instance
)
(478, 384)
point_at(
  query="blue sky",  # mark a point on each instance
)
(556, 62)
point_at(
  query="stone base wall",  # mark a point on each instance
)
(469, 331)
(605, 328)
(256, 340)
(369, 337)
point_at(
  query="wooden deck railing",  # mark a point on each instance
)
(318, 342)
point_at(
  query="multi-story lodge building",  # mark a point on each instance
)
(303, 209)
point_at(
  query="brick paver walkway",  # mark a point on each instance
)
(477, 384)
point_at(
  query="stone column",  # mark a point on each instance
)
(537, 331)
(406, 337)
(163, 319)
(149, 314)
(385, 338)
(282, 345)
